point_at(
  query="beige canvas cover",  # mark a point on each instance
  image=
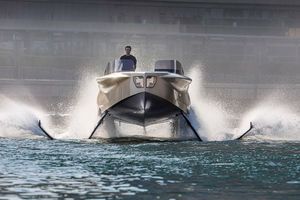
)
(115, 87)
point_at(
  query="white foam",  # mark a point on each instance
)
(84, 113)
(273, 121)
(18, 120)
(208, 115)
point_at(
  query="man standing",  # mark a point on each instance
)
(128, 56)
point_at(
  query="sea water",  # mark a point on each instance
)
(101, 169)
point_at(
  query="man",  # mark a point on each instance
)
(128, 56)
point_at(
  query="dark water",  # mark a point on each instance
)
(32, 169)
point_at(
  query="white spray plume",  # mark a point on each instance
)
(210, 114)
(18, 120)
(84, 115)
(273, 121)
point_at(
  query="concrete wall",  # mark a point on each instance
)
(240, 46)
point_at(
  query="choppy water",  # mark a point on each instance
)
(93, 169)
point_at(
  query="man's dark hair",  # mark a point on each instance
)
(128, 47)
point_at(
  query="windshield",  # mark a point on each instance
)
(119, 66)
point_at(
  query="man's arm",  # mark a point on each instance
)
(134, 63)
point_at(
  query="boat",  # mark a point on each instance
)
(145, 98)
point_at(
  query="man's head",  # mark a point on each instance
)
(128, 50)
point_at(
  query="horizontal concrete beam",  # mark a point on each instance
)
(171, 2)
(248, 2)
(124, 28)
(74, 26)
(34, 87)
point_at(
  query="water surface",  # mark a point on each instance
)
(94, 169)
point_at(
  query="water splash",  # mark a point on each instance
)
(18, 120)
(84, 115)
(273, 121)
(207, 115)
